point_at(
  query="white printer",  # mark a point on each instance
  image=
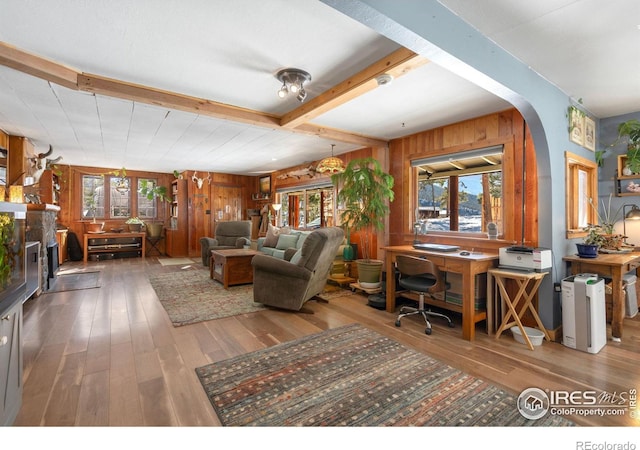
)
(525, 258)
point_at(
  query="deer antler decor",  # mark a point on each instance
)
(196, 180)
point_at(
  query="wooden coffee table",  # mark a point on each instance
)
(232, 266)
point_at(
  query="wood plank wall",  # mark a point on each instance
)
(506, 127)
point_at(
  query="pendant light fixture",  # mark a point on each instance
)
(331, 165)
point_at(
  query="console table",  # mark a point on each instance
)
(614, 266)
(113, 243)
(468, 266)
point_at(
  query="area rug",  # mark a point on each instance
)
(352, 376)
(75, 281)
(175, 261)
(190, 296)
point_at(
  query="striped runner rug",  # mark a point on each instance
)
(353, 376)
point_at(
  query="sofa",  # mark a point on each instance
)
(289, 284)
(232, 234)
(283, 240)
(286, 242)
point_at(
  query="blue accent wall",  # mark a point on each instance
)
(430, 29)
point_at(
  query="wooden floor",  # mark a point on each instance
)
(110, 357)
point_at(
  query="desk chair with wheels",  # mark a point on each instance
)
(424, 278)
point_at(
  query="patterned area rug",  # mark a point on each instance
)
(190, 296)
(74, 281)
(175, 261)
(352, 376)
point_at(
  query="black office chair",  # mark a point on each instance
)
(424, 278)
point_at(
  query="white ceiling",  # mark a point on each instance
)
(228, 52)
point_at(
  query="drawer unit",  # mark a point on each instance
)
(113, 246)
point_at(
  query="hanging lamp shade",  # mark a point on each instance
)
(331, 164)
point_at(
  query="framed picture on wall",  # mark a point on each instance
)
(576, 126)
(265, 184)
(589, 133)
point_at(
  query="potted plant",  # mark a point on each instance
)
(365, 189)
(135, 224)
(602, 236)
(629, 133)
(591, 243)
(93, 226)
(151, 191)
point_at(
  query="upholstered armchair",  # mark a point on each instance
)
(289, 284)
(232, 234)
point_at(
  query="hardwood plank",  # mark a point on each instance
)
(38, 385)
(150, 379)
(65, 393)
(93, 404)
(156, 404)
(124, 406)
(183, 386)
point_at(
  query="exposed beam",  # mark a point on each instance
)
(340, 136)
(37, 66)
(395, 64)
(172, 100)
(70, 78)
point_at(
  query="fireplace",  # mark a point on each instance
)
(52, 261)
(41, 227)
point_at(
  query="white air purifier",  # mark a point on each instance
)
(584, 322)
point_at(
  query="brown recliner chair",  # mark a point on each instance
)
(289, 284)
(232, 234)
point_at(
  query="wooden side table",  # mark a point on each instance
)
(528, 285)
(232, 266)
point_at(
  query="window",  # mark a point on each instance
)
(95, 203)
(461, 192)
(581, 186)
(307, 208)
(147, 208)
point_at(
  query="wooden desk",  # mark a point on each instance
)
(613, 266)
(528, 285)
(467, 266)
(114, 247)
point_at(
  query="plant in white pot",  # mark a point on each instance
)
(365, 190)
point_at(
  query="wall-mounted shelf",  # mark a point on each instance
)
(260, 197)
(623, 182)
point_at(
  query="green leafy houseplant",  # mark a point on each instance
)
(629, 133)
(134, 221)
(7, 250)
(364, 189)
(603, 234)
(151, 190)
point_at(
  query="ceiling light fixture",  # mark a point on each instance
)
(293, 81)
(383, 79)
(331, 165)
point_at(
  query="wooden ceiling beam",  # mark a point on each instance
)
(340, 136)
(395, 64)
(37, 66)
(166, 99)
(70, 78)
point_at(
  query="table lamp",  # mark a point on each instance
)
(633, 214)
(15, 194)
(276, 207)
